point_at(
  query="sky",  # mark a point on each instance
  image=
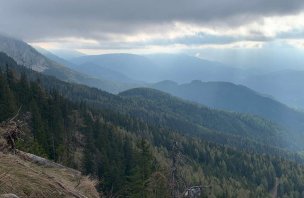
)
(212, 29)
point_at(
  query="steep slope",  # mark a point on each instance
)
(238, 98)
(25, 55)
(127, 140)
(54, 57)
(27, 175)
(24, 178)
(66, 132)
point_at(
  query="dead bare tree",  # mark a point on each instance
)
(12, 131)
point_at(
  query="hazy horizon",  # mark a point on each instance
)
(233, 32)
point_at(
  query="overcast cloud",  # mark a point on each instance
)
(131, 24)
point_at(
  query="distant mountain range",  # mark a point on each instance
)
(26, 55)
(119, 72)
(237, 98)
(285, 86)
(135, 67)
(158, 67)
(90, 69)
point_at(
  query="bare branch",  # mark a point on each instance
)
(17, 114)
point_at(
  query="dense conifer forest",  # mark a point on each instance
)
(126, 140)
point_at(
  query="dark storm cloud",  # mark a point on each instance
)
(39, 19)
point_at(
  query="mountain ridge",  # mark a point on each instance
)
(284, 86)
(237, 98)
(26, 55)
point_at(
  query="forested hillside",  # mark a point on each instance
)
(237, 98)
(74, 135)
(162, 110)
(126, 141)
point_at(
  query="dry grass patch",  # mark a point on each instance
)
(27, 179)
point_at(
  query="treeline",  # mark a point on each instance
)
(129, 152)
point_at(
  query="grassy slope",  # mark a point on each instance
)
(27, 175)
(26, 179)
